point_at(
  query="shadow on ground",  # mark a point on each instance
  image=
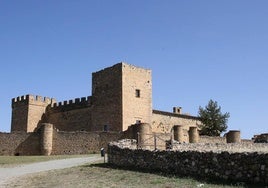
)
(206, 181)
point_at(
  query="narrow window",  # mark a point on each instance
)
(138, 93)
(106, 128)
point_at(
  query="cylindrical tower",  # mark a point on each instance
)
(233, 136)
(144, 134)
(193, 135)
(178, 133)
(46, 138)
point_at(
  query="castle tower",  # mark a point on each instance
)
(122, 96)
(136, 96)
(27, 112)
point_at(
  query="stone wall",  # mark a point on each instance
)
(145, 138)
(238, 167)
(212, 139)
(19, 143)
(163, 122)
(71, 120)
(10, 141)
(79, 142)
(30, 146)
(218, 139)
(262, 138)
(222, 147)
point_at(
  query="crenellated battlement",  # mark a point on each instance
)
(32, 99)
(71, 104)
(28, 111)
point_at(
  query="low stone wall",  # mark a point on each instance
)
(239, 167)
(218, 139)
(212, 139)
(221, 147)
(263, 138)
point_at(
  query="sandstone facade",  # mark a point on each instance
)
(44, 142)
(121, 97)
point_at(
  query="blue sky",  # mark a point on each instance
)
(197, 50)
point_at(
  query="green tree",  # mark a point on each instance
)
(213, 121)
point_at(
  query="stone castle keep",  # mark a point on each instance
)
(120, 106)
(121, 97)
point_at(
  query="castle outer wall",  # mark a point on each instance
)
(62, 142)
(72, 115)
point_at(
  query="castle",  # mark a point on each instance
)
(121, 107)
(121, 99)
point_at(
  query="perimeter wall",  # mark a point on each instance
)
(249, 167)
(77, 142)
(14, 143)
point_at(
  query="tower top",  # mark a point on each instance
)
(122, 65)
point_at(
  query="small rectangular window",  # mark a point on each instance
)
(138, 93)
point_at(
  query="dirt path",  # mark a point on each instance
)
(7, 174)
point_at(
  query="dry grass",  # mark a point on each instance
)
(102, 175)
(9, 161)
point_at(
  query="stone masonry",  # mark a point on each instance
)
(248, 167)
(121, 97)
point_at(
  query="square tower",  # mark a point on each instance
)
(136, 95)
(122, 96)
(28, 111)
(107, 99)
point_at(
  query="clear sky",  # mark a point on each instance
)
(197, 50)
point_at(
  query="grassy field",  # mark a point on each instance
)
(9, 161)
(102, 175)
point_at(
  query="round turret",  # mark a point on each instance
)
(46, 138)
(178, 133)
(193, 135)
(144, 134)
(233, 136)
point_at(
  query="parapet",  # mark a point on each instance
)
(32, 99)
(120, 66)
(77, 103)
(134, 67)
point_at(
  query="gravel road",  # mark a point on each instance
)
(7, 174)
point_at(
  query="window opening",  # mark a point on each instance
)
(138, 93)
(106, 128)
